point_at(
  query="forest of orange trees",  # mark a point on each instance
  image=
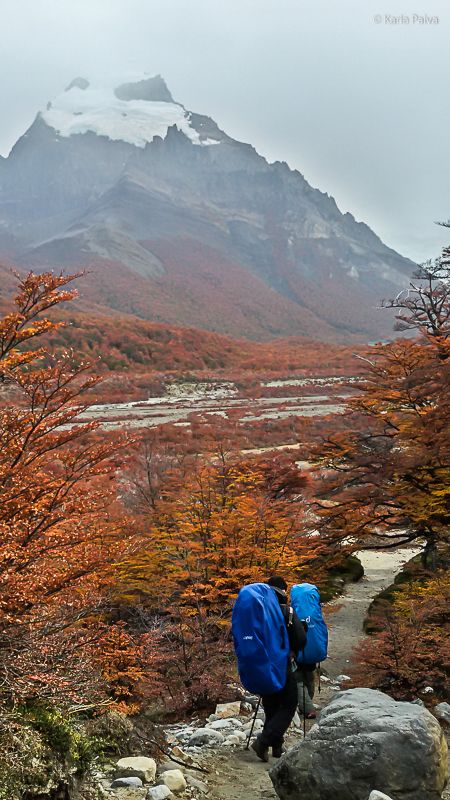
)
(122, 549)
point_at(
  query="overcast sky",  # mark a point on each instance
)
(357, 103)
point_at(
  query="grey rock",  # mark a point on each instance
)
(124, 782)
(379, 796)
(223, 724)
(206, 736)
(342, 679)
(251, 699)
(159, 793)
(201, 787)
(365, 741)
(442, 711)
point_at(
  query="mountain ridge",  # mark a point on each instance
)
(83, 199)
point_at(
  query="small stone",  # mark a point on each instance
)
(258, 726)
(342, 678)
(174, 780)
(379, 796)
(252, 699)
(139, 767)
(159, 793)
(206, 736)
(418, 702)
(197, 784)
(220, 724)
(232, 740)
(442, 711)
(224, 710)
(428, 690)
(177, 752)
(124, 782)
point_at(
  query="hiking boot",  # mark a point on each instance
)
(277, 752)
(261, 751)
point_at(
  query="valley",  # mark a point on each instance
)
(202, 401)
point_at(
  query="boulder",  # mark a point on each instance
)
(139, 767)
(379, 796)
(442, 711)
(174, 780)
(120, 783)
(228, 709)
(159, 793)
(206, 736)
(364, 741)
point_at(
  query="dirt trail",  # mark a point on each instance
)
(238, 773)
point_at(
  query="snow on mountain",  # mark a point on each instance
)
(117, 113)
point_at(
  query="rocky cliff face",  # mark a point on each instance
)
(165, 206)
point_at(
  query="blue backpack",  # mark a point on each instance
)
(260, 639)
(305, 599)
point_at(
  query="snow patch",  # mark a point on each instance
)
(97, 109)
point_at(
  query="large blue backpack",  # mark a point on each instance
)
(305, 599)
(260, 639)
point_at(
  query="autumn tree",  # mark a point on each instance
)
(385, 481)
(409, 650)
(59, 519)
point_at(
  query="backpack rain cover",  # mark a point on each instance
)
(305, 599)
(260, 639)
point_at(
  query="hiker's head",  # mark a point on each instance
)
(279, 584)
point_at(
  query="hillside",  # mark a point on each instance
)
(126, 344)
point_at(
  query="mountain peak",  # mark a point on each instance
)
(150, 89)
(134, 111)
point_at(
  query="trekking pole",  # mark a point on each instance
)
(253, 724)
(304, 704)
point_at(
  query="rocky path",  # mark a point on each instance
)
(237, 773)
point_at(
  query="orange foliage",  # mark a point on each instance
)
(60, 526)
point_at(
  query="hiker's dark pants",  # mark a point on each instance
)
(306, 686)
(279, 709)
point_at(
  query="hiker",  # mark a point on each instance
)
(305, 599)
(281, 706)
